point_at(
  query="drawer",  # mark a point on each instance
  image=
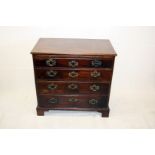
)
(73, 101)
(67, 87)
(76, 74)
(51, 61)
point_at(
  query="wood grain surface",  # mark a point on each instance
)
(73, 46)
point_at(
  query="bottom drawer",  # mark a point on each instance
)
(75, 101)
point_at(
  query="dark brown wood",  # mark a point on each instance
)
(40, 111)
(73, 101)
(73, 74)
(68, 87)
(104, 111)
(73, 46)
(41, 61)
(83, 74)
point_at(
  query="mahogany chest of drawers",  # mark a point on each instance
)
(73, 74)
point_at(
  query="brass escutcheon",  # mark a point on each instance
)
(51, 62)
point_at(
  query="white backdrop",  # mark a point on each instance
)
(132, 100)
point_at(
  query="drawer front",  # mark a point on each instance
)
(71, 75)
(73, 101)
(46, 87)
(50, 61)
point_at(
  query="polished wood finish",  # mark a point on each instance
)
(40, 61)
(82, 74)
(73, 46)
(71, 101)
(73, 74)
(76, 87)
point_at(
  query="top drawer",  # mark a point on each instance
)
(72, 62)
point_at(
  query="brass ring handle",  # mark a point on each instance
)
(95, 74)
(52, 86)
(51, 62)
(73, 86)
(96, 63)
(95, 87)
(93, 101)
(52, 73)
(73, 74)
(73, 63)
(53, 100)
(73, 99)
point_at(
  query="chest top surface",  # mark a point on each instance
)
(73, 46)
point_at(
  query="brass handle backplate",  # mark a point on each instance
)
(93, 101)
(73, 63)
(96, 63)
(72, 99)
(52, 86)
(51, 62)
(73, 74)
(51, 73)
(73, 86)
(95, 87)
(53, 100)
(95, 74)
